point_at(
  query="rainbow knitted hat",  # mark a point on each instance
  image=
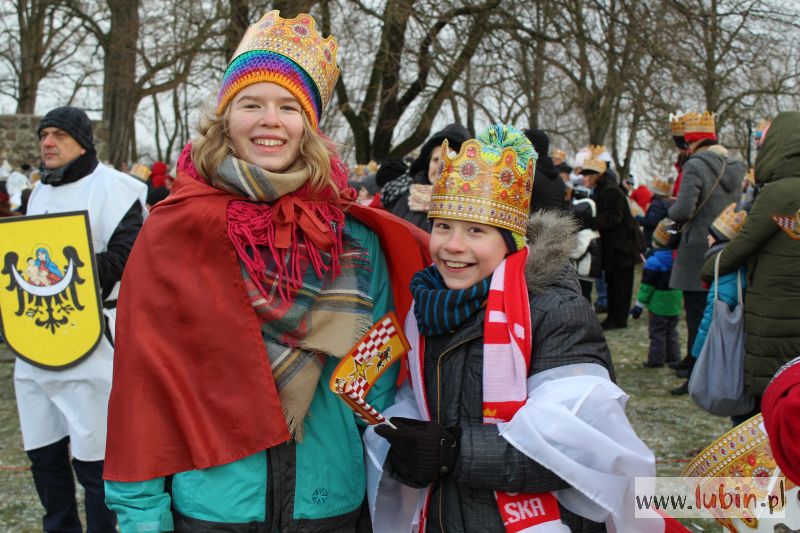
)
(287, 52)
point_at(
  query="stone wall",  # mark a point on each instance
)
(19, 143)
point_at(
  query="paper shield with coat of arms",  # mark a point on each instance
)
(381, 346)
(50, 310)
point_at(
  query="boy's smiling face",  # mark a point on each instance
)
(465, 252)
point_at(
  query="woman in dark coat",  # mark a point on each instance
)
(620, 238)
(711, 181)
(407, 196)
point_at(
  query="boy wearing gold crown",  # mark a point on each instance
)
(220, 417)
(663, 304)
(504, 352)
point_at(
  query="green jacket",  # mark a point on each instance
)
(654, 291)
(772, 309)
(314, 485)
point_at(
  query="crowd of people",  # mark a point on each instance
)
(17, 184)
(234, 285)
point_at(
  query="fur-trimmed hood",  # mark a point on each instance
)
(551, 238)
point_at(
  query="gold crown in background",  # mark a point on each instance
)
(677, 124)
(593, 161)
(558, 154)
(661, 186)
(661, 234)
(697, 123)
(730, 221)
(472, 189)
(296, 38)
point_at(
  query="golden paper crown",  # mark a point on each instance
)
(661, 234)
(593, 161)
(729, 222)
(295, 39)
(661, 186)
(140, 171)
(485, 184)
(697, 123)
(677, 124)
(558, 154)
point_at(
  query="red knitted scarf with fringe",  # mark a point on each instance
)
(313, 218)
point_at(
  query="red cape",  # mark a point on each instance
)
(192, 384)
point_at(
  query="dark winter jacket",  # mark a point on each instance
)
(548, 187)
(699, 174)
(772, 306)
(621, 238)
(565, 331)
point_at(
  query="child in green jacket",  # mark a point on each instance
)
(663, 304)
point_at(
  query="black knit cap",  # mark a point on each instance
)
(72, 120)
(455, 134)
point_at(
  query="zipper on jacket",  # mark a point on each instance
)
(274, 468)
(439, 410)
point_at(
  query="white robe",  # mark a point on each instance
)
(55, 403)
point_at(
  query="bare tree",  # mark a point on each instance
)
(400, 76)
(125, 51)
(42, 40)
(596, 71)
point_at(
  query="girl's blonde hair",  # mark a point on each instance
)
(215, 144)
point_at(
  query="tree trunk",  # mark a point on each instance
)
(237, 25)
(475, 33)
(31, 17)
(120, 95)
(292, 8)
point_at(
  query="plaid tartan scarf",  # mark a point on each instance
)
(306, 278)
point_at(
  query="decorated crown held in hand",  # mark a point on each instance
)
(489, 181)
(289, 52)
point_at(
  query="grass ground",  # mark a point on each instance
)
(672, 426)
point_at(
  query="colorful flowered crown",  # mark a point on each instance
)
(661, 186)
(677, 124)
(730, 221)
(288, 52)
(699, 126)
(593, 162)
(489, 181)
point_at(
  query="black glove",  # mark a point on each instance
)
(421, 452)
(636, 311)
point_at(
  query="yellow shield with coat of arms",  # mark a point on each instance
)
(50, 310)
